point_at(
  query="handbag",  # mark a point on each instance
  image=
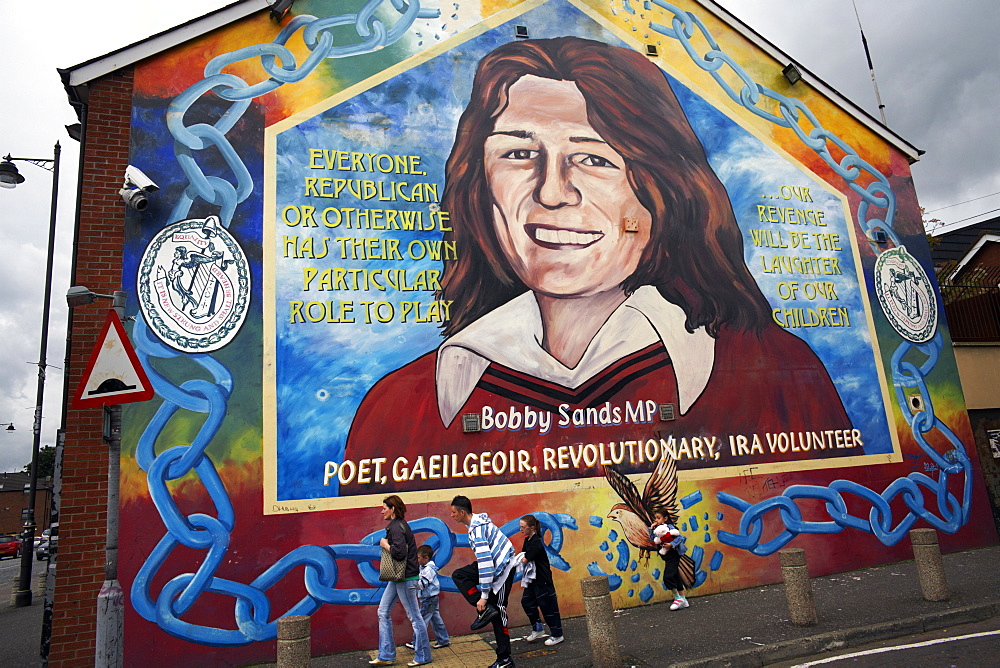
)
(394, 570)
(389, 569)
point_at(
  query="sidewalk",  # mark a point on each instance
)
(750, 627)
(21, 633)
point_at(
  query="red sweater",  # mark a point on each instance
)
(759, 385)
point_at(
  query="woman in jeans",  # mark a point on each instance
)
(399, 541)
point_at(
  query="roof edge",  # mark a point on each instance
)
(77, 77)
(987, 237)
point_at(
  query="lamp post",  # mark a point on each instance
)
(9, 425)
(111, 600)
(10, 178)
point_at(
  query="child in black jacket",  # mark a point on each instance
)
(539, 592)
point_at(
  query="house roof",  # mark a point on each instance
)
(17, 481)
(11, 482)
(76, 78)
(959, 245)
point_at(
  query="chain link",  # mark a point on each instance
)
(281, 67)
(874, 189)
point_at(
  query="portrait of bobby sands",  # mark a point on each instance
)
(600, 261)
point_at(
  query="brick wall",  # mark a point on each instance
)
(82, 522)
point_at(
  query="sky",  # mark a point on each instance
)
(936, 64)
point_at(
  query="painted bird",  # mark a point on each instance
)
(635, 514)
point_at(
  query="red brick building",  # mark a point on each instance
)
(14, 499)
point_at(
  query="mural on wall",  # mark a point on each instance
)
(543, 272)
(586, 276)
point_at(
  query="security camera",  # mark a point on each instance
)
(135, 198)
(135, 188)
(134, 178)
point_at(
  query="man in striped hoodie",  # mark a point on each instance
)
(486, 583)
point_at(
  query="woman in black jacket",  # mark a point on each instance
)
(540, 592)
(399, 541)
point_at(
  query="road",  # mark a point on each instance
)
(966, 645)
(20, 628)
(9, 568)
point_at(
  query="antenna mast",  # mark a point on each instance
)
(871, 67)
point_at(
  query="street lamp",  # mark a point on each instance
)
(79, 295)
(9, 425)
(10, 178)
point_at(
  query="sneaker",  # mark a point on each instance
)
(503, 663)
(410, 645)
(485, 617)
(437, 644)
(535, 635)
(554, 640)
(679, 603)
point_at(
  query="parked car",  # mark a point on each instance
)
(42, 551)
(10, 545)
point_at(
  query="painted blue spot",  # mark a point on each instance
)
(716, 561)
(567, 520)
(556, 560)
(609, 556)
(718, 516)
(706, 517)
(631, 593)
(614, 582)
(691, 499)
(613, 535)
(684, 527)
(647, 5)
(623, 556)
(656, 573)
(646, 594)
(627, 7)
(634, 565)
(697, 554)
(635, 577)
(708, 537)
(596, 521)
(699, 578)
(694, 523)
(604, 546)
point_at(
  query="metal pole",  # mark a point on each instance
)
(871, 67)
(111, 600)
(22, 597)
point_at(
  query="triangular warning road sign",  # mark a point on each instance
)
(114, 374)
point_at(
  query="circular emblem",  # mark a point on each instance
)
(194, 285)
(906, 295)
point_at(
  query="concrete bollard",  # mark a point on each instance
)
(294, 641)
(601, 622)
(930, 568)
(798, 587)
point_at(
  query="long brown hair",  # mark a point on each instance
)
(695, 253)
